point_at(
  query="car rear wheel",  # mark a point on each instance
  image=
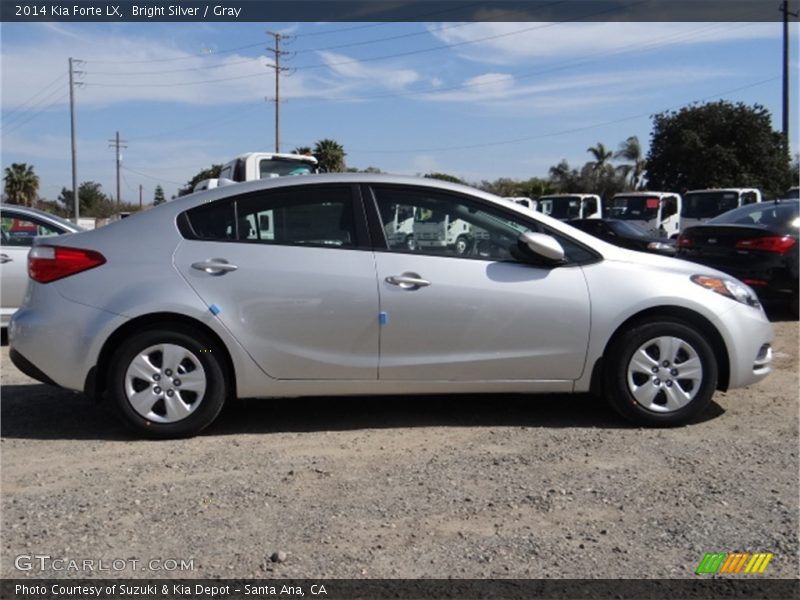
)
(168, 383)
(661, 373)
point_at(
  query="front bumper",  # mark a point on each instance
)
(748, 336)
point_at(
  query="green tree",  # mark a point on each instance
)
(601, 157)
(211, 172)
(631, 151)
(21, 184)
(303, 150)
(158, 196)
(94, 203)
(717, 144)
(443, 177)
(330, 155)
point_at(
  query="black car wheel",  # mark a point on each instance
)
(661, 372)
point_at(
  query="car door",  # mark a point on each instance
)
(18, 233)
(288, 272)
(478, 315)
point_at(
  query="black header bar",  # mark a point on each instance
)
(391, 10)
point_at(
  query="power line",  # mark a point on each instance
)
(309, 34)
(213, 122)
(19, 123)
(117, 73)
(387, 56)
(657, 43)
(559, 66)
(158, 179)
(21, 107)
(564, 131)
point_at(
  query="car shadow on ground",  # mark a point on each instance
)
(46, 413)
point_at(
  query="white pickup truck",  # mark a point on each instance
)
(252, 166)
(571, 206)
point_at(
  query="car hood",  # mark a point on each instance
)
(661, 263)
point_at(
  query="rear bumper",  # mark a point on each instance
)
(27, 367)
(57, 341)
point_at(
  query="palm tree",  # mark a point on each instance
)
(302, 150)
(22, 184)
(631, 150)
(601, 156)
(330, 155)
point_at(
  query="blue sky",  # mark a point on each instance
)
(477, 100)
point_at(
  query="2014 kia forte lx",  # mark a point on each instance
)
(339, 285)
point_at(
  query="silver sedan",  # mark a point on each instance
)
(340, 285)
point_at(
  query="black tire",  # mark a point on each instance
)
(411, 243)
(204, 408)
(618, 366)
(463, 245)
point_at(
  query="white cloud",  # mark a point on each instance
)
(508, 43)
(560, 94)
(383, 76)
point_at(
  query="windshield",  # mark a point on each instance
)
(428, 215)
(277, 167)
(781, 216)
(704, 205)
(634, 208)
(629, 229)
(560, 207)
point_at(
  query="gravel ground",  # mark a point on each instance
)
(469, 486)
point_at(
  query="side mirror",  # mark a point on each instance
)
(543, 246)
(263, 222)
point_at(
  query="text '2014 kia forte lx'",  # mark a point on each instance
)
(341, 285)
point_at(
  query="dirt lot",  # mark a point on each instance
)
(476, 487)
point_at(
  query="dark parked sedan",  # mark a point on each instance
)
(757, 244)
(625, 234)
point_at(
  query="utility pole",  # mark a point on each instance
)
(118, 144)
(278, 69)
(786, 14)
(72, 84)
(140, 196)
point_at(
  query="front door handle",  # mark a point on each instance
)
(4, 258)
(214, 266)
(408, 281)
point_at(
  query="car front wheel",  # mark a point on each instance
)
(168, 384)
(660, 373)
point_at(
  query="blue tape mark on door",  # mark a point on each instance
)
(215, 310)
(383, 317)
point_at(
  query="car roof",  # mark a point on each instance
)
(35, 212)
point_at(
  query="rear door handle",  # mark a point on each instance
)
(214, 266)
(4, 258)
(408, 281)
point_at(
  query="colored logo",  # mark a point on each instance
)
(734, 563)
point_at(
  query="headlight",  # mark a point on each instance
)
(727, 287)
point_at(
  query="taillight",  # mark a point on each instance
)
(684, 242)
(772, 243)
(48, 263)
